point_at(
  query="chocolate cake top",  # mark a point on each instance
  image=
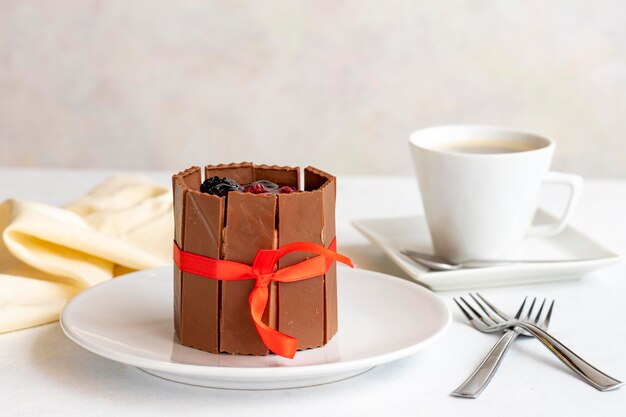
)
(244, 176)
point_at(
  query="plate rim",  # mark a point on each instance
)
(263, 372)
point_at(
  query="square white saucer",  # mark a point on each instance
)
(580, 255)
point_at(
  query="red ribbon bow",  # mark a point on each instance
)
(264, 271)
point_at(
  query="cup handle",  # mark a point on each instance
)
(575, 183)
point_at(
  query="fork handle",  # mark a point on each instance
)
(480, 378)
(585, 370)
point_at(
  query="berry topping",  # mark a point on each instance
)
(268, 185)
(219, 186)
(261, 187)
(222, 186)
(286, 189)
(255, 188)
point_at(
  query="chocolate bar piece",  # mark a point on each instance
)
(197, 298)
(279, 175)
(178, 189)
(308, 309)
(200, 296)
(301, 303)
(249, 228)
(327, 183)
(243, 172)
(180, 185)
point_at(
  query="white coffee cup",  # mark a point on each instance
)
(480, 186)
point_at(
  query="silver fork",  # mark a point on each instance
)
(585, 370)
(481, 377)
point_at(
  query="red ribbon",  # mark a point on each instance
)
(263, 270)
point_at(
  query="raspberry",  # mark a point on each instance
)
(255, 188)
(286, 189)
(267, 187)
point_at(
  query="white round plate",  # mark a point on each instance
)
(129, 319)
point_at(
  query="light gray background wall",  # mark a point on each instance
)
(338, 84)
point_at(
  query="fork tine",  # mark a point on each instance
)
(467, 315)
(482, 307)
(538, 316)
(491, 306)
(521, 308)
(546, 322)
(530, 310)
(476, 313)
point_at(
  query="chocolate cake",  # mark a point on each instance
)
(232, 221)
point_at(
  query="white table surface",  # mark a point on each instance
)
(44, 373)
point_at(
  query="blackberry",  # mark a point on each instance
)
(219, 186)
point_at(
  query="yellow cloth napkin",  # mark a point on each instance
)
(49, 254)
